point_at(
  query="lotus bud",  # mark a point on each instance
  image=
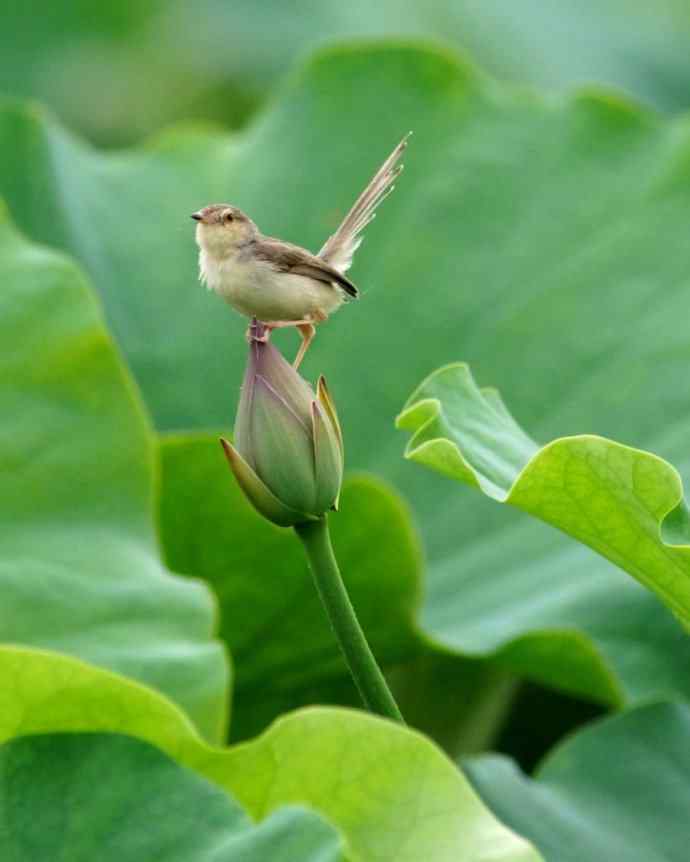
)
(288, 452)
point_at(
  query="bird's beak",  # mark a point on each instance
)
(197, 216)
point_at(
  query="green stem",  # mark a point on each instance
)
(329, 584)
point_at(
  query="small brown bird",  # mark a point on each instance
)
(280, 283)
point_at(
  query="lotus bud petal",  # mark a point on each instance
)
(266, 503)
(328, 461)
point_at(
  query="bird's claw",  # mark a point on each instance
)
(258, 331)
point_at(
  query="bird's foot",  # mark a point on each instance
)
(258, 331)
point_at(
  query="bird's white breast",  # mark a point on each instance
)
(256, 289)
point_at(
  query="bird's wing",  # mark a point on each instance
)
(286, 257)
(340, 248)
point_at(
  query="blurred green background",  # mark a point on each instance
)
(118, 71)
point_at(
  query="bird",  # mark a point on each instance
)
(277, 282)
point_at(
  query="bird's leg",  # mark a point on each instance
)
(307, 331)
(306, 328)
(281, 324)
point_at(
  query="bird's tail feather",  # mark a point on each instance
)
(341, 246)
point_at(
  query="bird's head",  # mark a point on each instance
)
(221, 228)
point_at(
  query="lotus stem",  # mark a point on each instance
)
(360, 660)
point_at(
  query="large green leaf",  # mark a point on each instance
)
(392, 794)
(624, 503)
(215, 60)
(80, 797)
(271, 617)
(616, 790)
(79, 565)
(628, 43)
(545, 237)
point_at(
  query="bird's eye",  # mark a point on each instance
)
(228, 217)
